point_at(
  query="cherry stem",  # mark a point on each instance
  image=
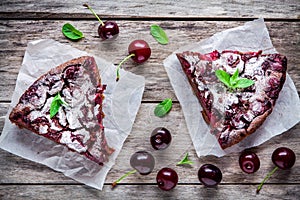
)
(86, 5)
(265, 179)
(119, 66)
(114, 184)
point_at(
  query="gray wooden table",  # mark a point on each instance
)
(185, 22)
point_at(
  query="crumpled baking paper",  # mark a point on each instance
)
(121, 104)
(252, 36)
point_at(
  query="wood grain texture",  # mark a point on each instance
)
(185, 22)
(194, 191)
(18, 170)
(14, 36)
(288, 9)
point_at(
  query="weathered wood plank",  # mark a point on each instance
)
(288, 9)
(18, 170)
(23, 179)
(14, 36)
(54, 192)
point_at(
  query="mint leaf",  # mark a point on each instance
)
(71, 32)
(56, 103)
(159, 34)
(234, 78)
(223, 77)
(185, 160)
(163, 108)
(54, 108)
(244, 83)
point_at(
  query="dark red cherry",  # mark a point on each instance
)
(143, 162)
(284, 158)
(109, 30)
(209, 175)
(249, 162)
(167, 179)
(106, 30)
(160, 138)
(140, 50)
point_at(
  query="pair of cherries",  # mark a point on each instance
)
(282, 157)
(139, 50)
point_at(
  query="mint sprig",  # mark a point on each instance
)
(233, 82)
(56, 103)
(163, 108)
(185, 160)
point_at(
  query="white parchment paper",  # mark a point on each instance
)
(121, 104)
(252, 36)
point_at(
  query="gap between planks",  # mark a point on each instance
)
(120, 184)
(79, 16)
(219, 185)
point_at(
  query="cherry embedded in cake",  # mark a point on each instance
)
(236, 90)
(65, 106)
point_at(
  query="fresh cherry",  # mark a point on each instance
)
(139, 51)
(107, 29)
(249, 162)
(160, 138)
(142, 162)
(283, 158)
(209, 175)
(166, 179)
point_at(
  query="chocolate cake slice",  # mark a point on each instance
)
(65, 105)
(236, 113)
